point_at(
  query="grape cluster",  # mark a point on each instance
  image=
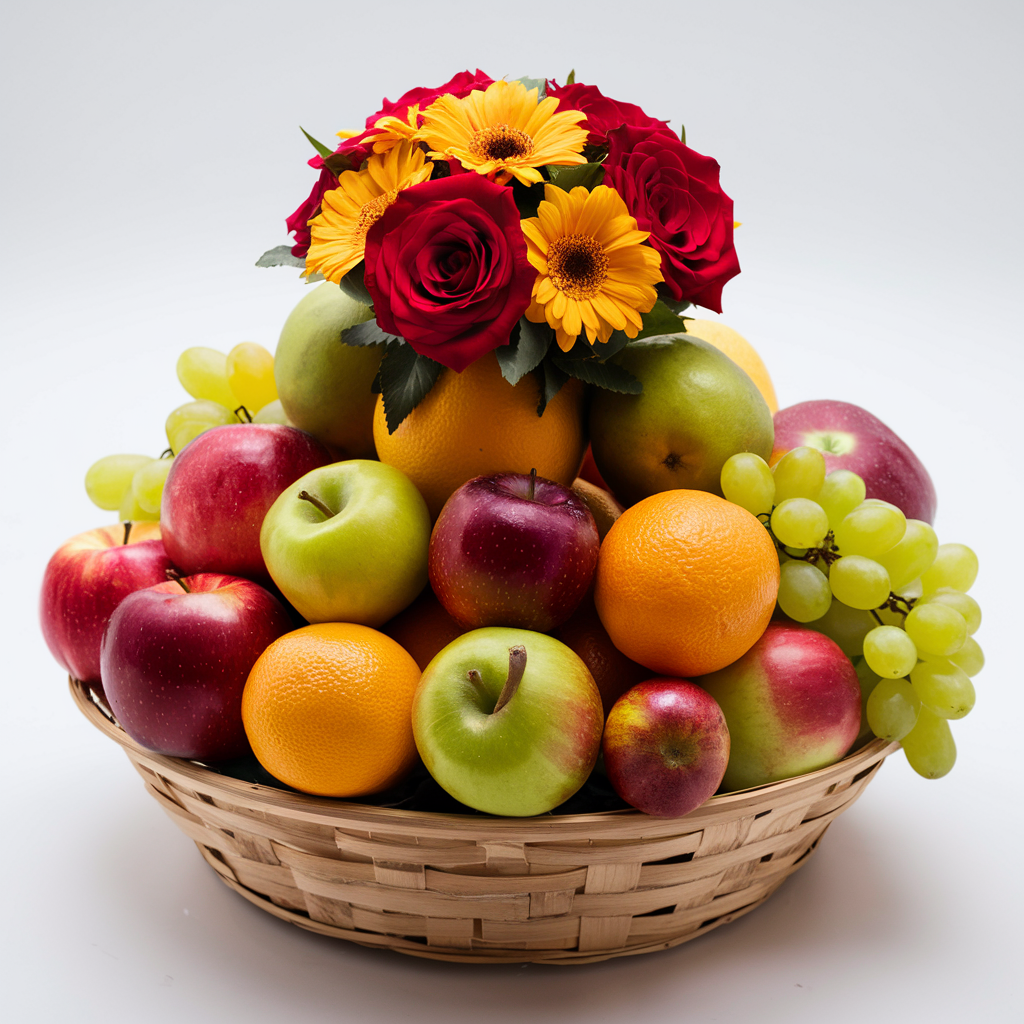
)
(234, 388)
(881, 586)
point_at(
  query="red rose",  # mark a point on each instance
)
(603, 114)
(673, 193)
(298, 222)
(460, 86)
(447, 268)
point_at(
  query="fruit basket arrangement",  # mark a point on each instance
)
(500, 615)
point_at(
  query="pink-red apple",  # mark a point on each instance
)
(86, 579)
(512, 550)
(666, 747)
(792, 704)
(175, 658)
(851, 438)
(220, 488)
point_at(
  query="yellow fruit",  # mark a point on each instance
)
(475, 423)
(603, 507)
(740, 351)
(251, 375)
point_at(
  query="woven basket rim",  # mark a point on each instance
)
(339, 812)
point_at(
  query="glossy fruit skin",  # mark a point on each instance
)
(475, 423)
(686, 582)
(536, 751)
(501, 558)
(424, 628)
(861, 443)
(220, 488)
(740, 351)
(792, 704)
(365, 563)
(603, 507)
(174, 663)
(697, 409)
(87, 577)
(666, 747)
(324, 385)
(327, 709)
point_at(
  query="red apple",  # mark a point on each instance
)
(220, 488)
(851, 438)
(792, 704)
(175, 659)
(666, 746)
(86, 579)
(512, 550)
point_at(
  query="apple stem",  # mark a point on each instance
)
(533, 482)
(173, 574)
(516, 668)
(127, 531)
(313, 500)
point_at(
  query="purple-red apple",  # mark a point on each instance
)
(512, 550)
(792, 704)
(220, 488)
(86, 579)
(666, 747)
(175, 658)
(851, 438)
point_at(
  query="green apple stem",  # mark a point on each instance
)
(313, 500)
(173, 574)
(516, 668)
(127, 531)
(533, 482)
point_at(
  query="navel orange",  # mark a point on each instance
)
(328, 709)
(686, 582)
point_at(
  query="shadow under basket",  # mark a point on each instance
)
(476, 889)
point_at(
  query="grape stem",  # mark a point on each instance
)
(242, 411)
(893, 604)
(167, 453)
(127, 531)
(827, 553)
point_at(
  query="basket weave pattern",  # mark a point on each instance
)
(571, 889)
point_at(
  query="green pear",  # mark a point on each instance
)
(696, 410)
(323, 384)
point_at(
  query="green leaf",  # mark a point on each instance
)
(660, 320)
(609, 376)
(570, 79)
(568, 177)
(353, 286)
(318, 146)
(682, 133)
(613, 346)
(315, 278)
(405, 379)
(540, 84)
(337, 163)
(530, 343)
(676, 305)
(527, 197)
(281, 256)
(551, 378)
(368, 333)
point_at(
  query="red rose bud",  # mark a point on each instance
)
(603, 113)
(673, 192)
(446, 266)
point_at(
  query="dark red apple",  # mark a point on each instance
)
(512, 550)
(86, 579)
(851, 438)
(175, 659)
(666, 746)
(219, 490)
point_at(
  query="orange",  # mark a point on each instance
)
(475, 423)
(740, 351)
(328, 709)
(686, 582)
(424, 628)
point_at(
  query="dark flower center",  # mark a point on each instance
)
(577, 265)
(500, 142)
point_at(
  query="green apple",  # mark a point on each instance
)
(508, 721)
(696, 410)
(348, 543)
(324, 385)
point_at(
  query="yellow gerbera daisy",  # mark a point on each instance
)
(593, 269)
(349, 211)
(504, 131)
(392, 130)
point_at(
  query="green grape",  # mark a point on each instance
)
(911, 555)
(859, 582)
(108, 479)
(955, 565)
(131, 509)
(251, 375)
(840, 494)
(748, 482)
(936, 629)
(203, 373)
(799, 523)
(970, 657)
(870, 529)
(273, 413)
(943, 687)
(148, 484)
(868, 681)
(804, 593)
(799, 474)
(892, 709)
(846, 626)
(929, 746)
(190, 420)
(889, 652)
(963, 603)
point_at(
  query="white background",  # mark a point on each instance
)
(152, 153)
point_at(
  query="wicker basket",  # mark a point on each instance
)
(557, 890)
